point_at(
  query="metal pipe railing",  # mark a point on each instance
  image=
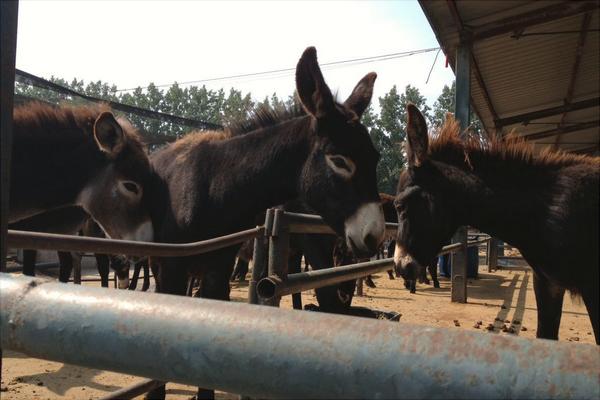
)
(274, 286)
(50, 241)
(222, 345)
(309, 223)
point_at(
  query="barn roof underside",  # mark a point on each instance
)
(534, 66)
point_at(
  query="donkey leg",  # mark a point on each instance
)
(390, 273)
(29, 257)
(137, 267)
(66, 266)
(171, 279)
(433, 272)
(591, 298)
(549, 300)
(102, 263)
(215, 285)
(369, 282)
(146, 283)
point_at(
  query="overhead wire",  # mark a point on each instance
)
(277, 73)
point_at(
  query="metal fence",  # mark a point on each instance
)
(269, 280)
(264, 352)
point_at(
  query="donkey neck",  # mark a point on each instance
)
(258, 170)
(507, 198)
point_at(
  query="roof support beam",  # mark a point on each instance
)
(562, 130)
(585, 23)
(587, 150)
(526, 117)
(476, 71)
(535, 17)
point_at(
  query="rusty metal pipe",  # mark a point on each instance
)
(222, 345)
(309, 223)
(50, 241)
(273, 286)
(130, 392)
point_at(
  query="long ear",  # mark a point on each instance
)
(315, 96)
(108, 134)
(360, 98)
(416, 132)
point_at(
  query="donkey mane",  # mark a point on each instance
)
(42, 119)
(446, 144)
(264, 117)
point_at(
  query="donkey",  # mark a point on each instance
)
(496, 186)
(209, 188)
(80, 156)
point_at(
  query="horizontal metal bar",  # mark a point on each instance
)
(309, 223)
(221, 345)
(478, 242)
(49, 241)
(580, 105)
(134, 390)
(274, 286)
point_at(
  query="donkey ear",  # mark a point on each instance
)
(108, 134)
(416, 132)
(360, 98)
(315, 96)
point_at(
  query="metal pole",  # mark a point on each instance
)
(279, 246)
(9, 15)
(493, 255)
(51, 241)
(259, 264)
(8, 38)
(277, 353)
(463, 94)
(134, 390)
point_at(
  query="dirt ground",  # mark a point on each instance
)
(501, 298)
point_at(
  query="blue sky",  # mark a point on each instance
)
(132, 43)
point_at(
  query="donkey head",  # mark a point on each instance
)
(114, 196)
(339, 179)
(422, 204)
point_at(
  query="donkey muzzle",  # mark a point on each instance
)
(365, 229)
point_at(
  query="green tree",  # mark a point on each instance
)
(446, 103)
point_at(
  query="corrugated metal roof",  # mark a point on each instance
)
(524, 73)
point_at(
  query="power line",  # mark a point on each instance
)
(283, 71)
(30, 79)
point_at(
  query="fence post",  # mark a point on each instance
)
(279, 246)
(260, 258)
(462, 113)
(492, 255)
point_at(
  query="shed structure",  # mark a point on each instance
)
(534, 66)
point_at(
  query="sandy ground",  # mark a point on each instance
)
(504, 297)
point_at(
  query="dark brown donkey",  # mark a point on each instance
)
(545, 205)
(83, 156)
(215, 187)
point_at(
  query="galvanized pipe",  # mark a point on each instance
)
(309, 223)
(50, 241)
(273, 286)
(134, 390)
(266, 352)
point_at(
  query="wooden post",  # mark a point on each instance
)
(462, 111)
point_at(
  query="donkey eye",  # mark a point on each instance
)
(131, 187)
(340, 163)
